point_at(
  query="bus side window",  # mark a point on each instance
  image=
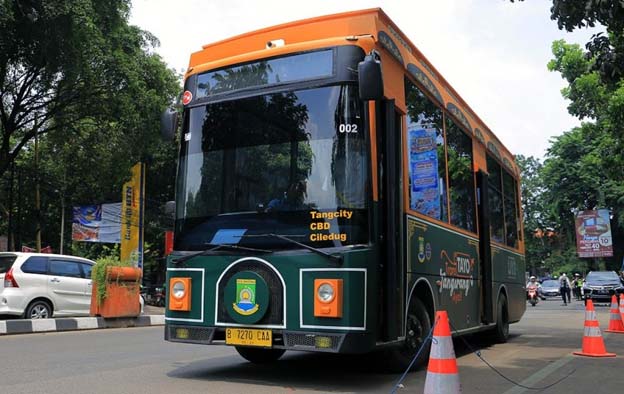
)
(426, 164)
(461, 177)
(495, 193)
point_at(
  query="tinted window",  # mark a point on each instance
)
(6, 262)
(511, 209)
(427, 167)
(495, 195)
(267, 72)
(293, 163)
(86, 270)
(35, 265)
(602, 276)
(65, 268)
(504, 210)
(550, 283)
(461, 178)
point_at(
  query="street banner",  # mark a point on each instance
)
(47, 249)
(132, 217)
(97, 223)
(593, 234)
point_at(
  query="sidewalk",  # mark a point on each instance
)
(152, 316)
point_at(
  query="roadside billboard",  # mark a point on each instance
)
(593, 234)
(97, 223)
(132, 217)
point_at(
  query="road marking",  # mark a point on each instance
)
(41, 325)
(540, 375)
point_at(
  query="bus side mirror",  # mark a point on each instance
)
(168, 124)
(369, 78)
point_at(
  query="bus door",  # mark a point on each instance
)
(485, 255)
(393, 269)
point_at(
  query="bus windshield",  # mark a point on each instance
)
(292, 163)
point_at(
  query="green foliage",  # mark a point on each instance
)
(100, 271)
(583, 166)
(605, 50)
(92, 87)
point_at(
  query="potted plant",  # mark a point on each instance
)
(116, 288)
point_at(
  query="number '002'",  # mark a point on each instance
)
(347, 128)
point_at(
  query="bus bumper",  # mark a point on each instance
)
(332, 342)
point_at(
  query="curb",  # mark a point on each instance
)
(9, 327)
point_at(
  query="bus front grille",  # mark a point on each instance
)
(313, 341)
(189, 334)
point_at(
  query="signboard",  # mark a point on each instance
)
(593, 234)
(423, 172)
(132, 217)
(26, 249)
(97, 223)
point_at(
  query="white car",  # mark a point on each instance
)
(38, 286)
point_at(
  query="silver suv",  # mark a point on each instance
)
(37, 286)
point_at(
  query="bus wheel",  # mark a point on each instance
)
(418, 326)
(259, 356)
(501, 332)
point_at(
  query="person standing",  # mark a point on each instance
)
(577, 284)
(565, 288)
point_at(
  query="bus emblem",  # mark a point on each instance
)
(421, 249)
(245, 297)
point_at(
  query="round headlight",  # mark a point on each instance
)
(325, 292)
(178, 290)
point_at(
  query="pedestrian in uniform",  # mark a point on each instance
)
(565, 288)
(577, 284)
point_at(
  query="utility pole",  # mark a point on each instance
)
(37, 197)
(62, 222)
(11, 235)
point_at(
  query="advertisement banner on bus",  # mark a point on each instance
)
(423, 168)
(593, 234)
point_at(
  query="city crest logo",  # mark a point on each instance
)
(245, 297)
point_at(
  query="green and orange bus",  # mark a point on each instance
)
(333, 192)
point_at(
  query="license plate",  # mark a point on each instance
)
(248, 337)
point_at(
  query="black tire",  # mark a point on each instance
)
(418, 326)
(38, 309)
(501, 331)
(260, 356)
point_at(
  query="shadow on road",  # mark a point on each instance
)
(329, 372)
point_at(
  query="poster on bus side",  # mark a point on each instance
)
(593, 234)
(423, 171)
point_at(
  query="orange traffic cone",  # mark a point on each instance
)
(622, 306)
(593, 345)
(615, 322)
(442, 374)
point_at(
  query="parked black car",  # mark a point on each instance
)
(601, 285)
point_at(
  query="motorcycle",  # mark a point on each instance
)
(159, 297)
(532, 295)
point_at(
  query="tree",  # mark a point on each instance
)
(606, 50)
(92, 88)
(61, 62)
(583, 166)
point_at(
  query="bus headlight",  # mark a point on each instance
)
(325, 292)
(179, 290)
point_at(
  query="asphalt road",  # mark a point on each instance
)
(137, 360)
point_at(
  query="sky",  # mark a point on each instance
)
(493, 52)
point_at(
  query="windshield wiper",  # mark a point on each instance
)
(214, 247)
(337, 259)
